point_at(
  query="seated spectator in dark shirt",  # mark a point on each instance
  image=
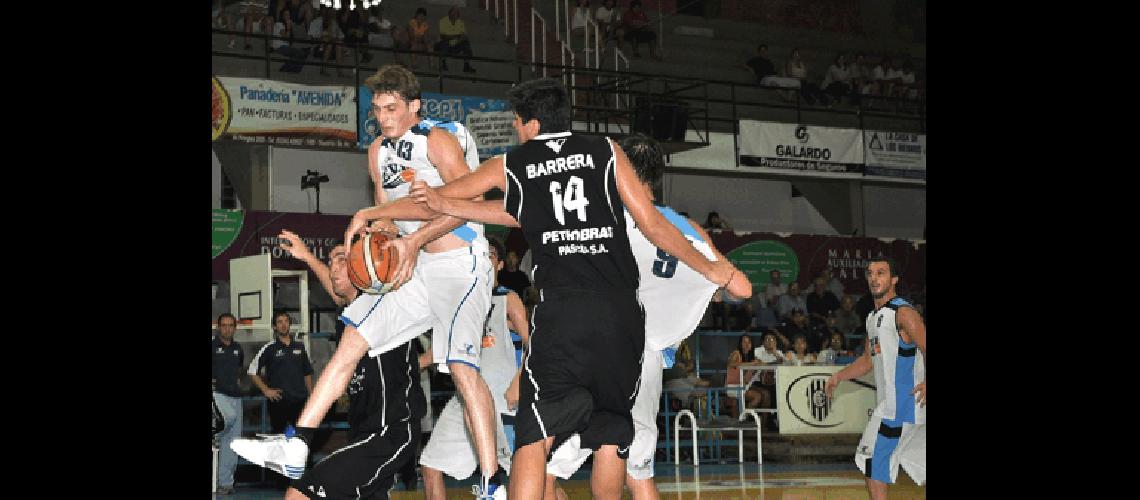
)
(511, 277)
(821, 302)
(799, 326)
(765, 310)
(760, 65)
(453, 39)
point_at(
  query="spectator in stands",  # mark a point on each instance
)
(795, 68)
(906, 83)
(222, 21)
(453, 40)
(846, 321)
(579, 21)
(774, 289)
(753, 396)
(607, 17)
(296, 14)
(821, 302)
(724, 306)
(354, 24)
(894, 78)
(837, 81)
(791, 301)
(379, 28)
(257, 12)
(878, 84)
(282, 34)
(860, 74)
(833, 284)
(681, 380)
(798, 325)
(511, 277)
(419, 37)
(714, 221)
(836, 346)
(800, 354)
(636, 27)
(768, 354)
(324, 28)
(760, 65)
(764, 308)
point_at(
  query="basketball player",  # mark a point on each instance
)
(450, 450)
(385, 405)
(896, 432)
(675, 298)
(566, 191)
(447, 285)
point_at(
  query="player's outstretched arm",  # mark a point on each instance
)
(745, 285)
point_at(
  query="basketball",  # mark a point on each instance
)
(370, 267)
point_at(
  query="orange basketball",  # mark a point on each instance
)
(370, 267)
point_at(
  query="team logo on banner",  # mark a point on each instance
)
(808, 401)
(220, 107)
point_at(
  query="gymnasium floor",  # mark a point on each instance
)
(711, 481)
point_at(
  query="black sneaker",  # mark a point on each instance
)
(468, 69)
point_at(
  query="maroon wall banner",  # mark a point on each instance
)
(259, 233)
(755, 253)
(848, 257)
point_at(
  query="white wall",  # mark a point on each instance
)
(748, 204)
(349, 188)
(894, 212)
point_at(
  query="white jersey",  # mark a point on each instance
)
(499, 358)
(898, 366)
(402, 160)
(674, 296)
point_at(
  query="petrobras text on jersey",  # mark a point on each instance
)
(560, 164)
(584, 234)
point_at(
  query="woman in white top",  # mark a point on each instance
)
(579, 21)
(768, 354)
(607, 17)
(800, 355)
(837, 81)
(810, 92)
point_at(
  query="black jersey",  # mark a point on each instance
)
(561, 187)
(385, 390)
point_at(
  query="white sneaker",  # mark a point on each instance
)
(285, 456)
(496, 492)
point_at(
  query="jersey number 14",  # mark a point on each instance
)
(573, 200)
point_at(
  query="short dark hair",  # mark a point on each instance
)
(645, 154)
(497, 244)
(761, 46)
(395, 78)
(892, 266)
(419, 11)
(226, 315)
(542, 99)
(282, 313)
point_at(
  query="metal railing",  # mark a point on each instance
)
(699, 96)
(533, 26)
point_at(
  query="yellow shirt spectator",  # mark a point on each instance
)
(452, 30)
